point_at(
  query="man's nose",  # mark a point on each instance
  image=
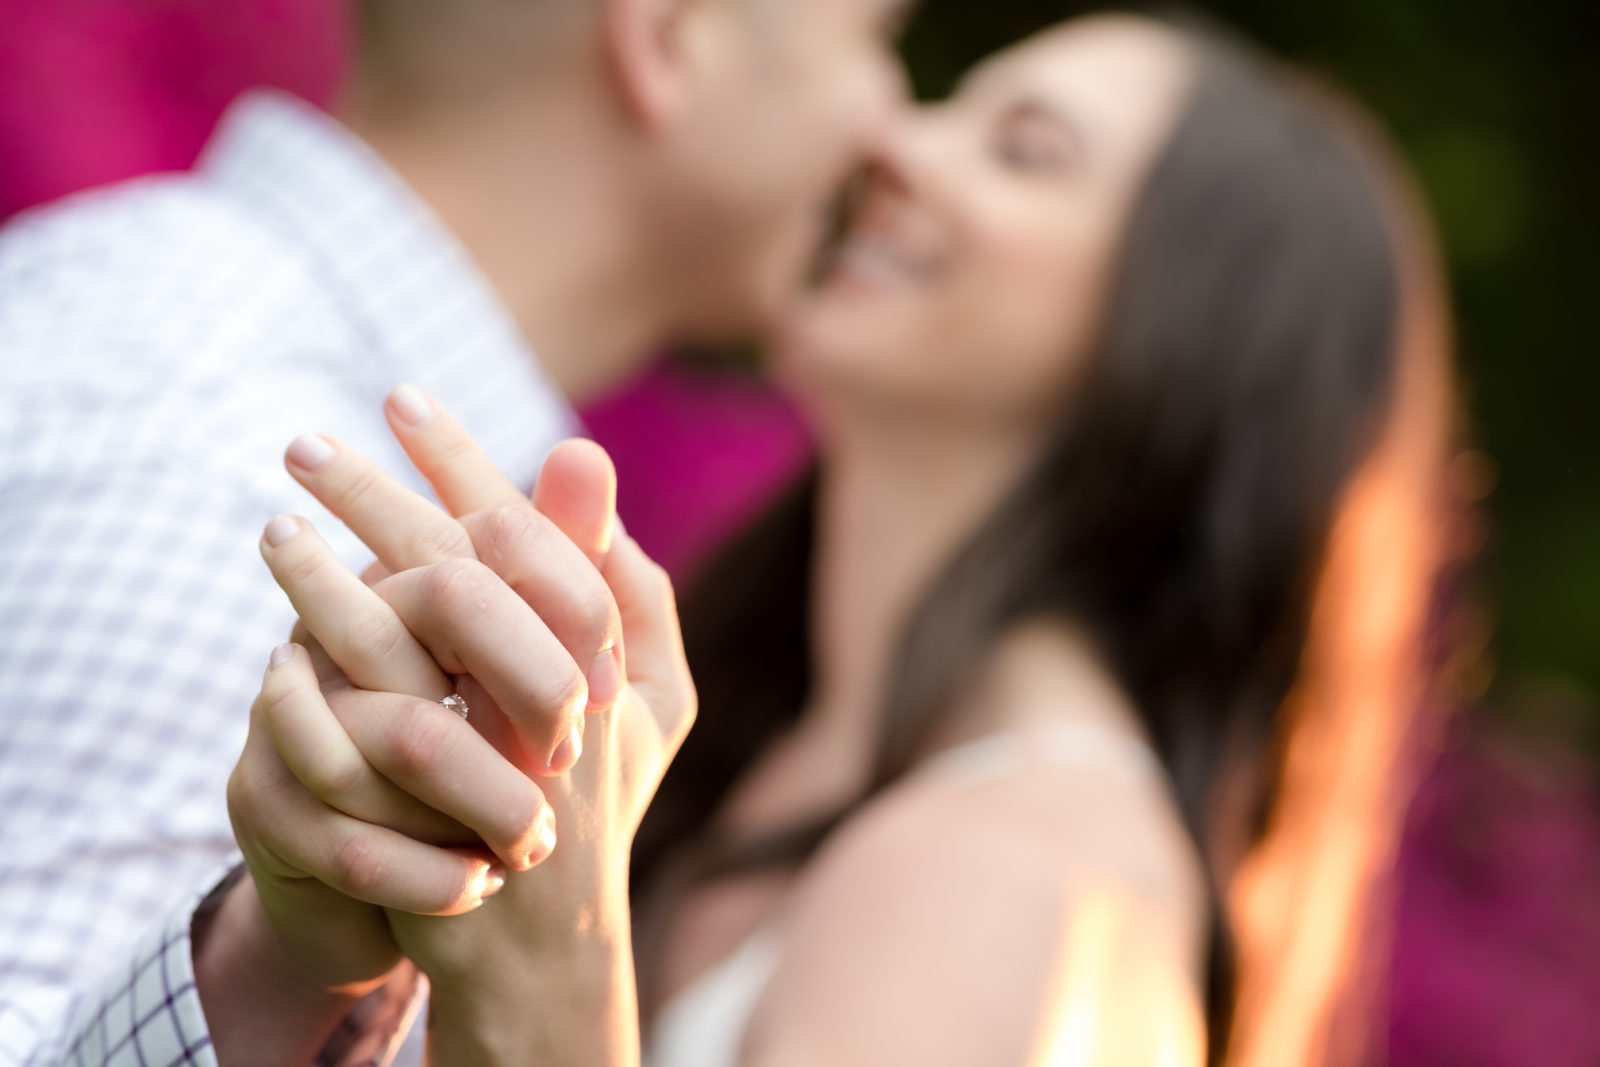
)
(886, 106)
(901, 146)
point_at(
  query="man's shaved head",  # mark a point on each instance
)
(438, 49)
(692, 146)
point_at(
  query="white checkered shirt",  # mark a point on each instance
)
(160, 344)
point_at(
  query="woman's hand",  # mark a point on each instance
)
(543, 973)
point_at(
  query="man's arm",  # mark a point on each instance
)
(134, 622)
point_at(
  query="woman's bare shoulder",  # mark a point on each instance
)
(956, 921)
(1076, 774)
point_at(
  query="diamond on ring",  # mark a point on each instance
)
(456, 704)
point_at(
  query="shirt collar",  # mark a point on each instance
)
(427, 313)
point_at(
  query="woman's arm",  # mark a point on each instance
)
(559, 937)
(584, 992)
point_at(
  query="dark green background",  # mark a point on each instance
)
(1497, 106)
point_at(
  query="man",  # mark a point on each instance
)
(579, 179)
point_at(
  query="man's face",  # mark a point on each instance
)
(790, 94)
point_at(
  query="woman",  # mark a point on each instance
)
(1082, 661)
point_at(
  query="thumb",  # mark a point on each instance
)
(577, 491)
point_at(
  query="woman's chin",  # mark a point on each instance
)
(829, 368)
(815, 340)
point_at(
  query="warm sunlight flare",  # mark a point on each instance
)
(1084, 978)
(1309, 906)
(1114, 1004)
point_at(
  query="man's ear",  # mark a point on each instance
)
(643, 42)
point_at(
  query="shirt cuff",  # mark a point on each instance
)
(150, 1013)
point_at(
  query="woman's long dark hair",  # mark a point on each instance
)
(1180, 511)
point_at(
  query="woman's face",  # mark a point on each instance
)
(970, 279)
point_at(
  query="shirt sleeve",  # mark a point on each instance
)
(147, 1012)
(135, 620)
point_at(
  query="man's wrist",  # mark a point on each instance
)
(260, 1006)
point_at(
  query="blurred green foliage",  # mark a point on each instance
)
(1497, 106)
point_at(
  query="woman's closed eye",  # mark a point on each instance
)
(1033, 136)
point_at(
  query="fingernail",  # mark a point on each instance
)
(310, 452)
(494, 880)
(605, 680)
(543, 843)
(410, 404)
(567, 753)
(545, 833)
(280, 655)
(281, 529)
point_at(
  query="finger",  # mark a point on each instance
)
(439, 759)
(553, 577)
(329, 676)
(288, 834)
(473, 623)
(355, 627)
(577, 491)
(377, 865)
(319, 750)
(401, 527)
(444, 452)
(655, 643)
(375, 573)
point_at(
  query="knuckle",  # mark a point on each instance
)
(680, 719)
(376, 636)
(663, 583)
(358, 485)
(596, 614)
(306, 568)
(511, 533)
(448, 448)
(421, 740)
(273, 687)
(568, 694)
(359, 868)
(241, 795)
(443, 540)
(452, 891)
(278, 698)
(654, 589)
(458, 584)
(336, 780)
(259, 799)
(522, 825)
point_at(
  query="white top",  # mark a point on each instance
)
(161, 342)
(704, 1024)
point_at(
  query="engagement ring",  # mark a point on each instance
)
(456, 704)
